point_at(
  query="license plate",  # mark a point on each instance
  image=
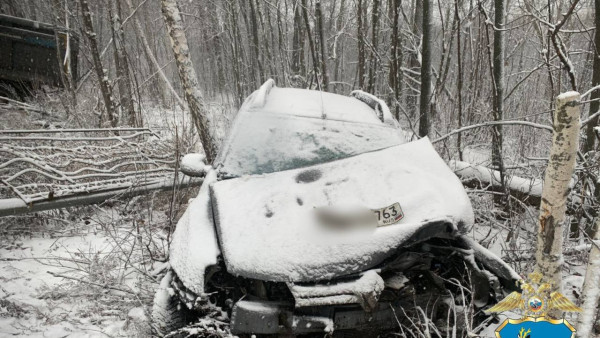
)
(389, 215)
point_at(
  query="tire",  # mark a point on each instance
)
(168, 314)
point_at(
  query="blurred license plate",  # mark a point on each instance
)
(389, 215)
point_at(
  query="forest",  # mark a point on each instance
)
(484, 80)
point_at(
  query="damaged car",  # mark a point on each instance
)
(320, 216)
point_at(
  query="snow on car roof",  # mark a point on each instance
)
(318, 104)
(266, 230)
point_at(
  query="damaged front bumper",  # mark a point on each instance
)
(379, 299)
(341, 305)
(263, 317)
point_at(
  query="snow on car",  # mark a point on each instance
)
(318, 215)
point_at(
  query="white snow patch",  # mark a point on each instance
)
(193, 165)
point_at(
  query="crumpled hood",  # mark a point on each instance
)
(267, 229)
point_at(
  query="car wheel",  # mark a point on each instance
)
(168, 314)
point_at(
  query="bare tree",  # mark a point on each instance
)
(595, 97)
(425, 99)
(459, 80)
(105, 87)
(374, 45)
(150, 55)
(395, 75)
(322, 45)
(311, 42)
(498, 92)
(360, 33)
(121, 63)
(298, 42)
(187, 75)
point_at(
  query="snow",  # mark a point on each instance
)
(364, 290)
(315, 104)
(259, 97)
(266, 224)
(193, 164)
(378, 105)
(570, 95)
(492, 262)
(34, 303)
(487, 176)
(194, 246)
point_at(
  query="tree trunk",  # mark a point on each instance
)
(187, 75)
(361, 44)
(591, 288)
(595, 104)
(560, 169)
(105, 88)
(256, 42)
(322, 44)
(425, 99)
(311, 42)
(498, 76)
(374, 46)
(121, 64)
(414, 63)
(298, 43)
(395, 76)
(151, 56)
(459, 80)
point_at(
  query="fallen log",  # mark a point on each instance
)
(528, 190)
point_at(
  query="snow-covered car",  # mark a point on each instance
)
(318, 215)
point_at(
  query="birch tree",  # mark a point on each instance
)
(591, 288)
(549, 258)
(187, 75)
(150, 54)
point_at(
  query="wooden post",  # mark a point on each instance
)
(560, 169)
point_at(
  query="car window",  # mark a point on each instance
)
(262, 142)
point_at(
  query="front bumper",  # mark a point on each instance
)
(263, 317)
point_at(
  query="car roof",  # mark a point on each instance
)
(316, 104)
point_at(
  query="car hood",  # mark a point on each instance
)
(267, 228)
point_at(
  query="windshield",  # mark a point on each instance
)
(262, 142)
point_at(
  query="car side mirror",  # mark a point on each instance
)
(194, 165)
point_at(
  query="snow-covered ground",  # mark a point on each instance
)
(36, 302)
(91, 275)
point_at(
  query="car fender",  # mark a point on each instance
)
(194, 247)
